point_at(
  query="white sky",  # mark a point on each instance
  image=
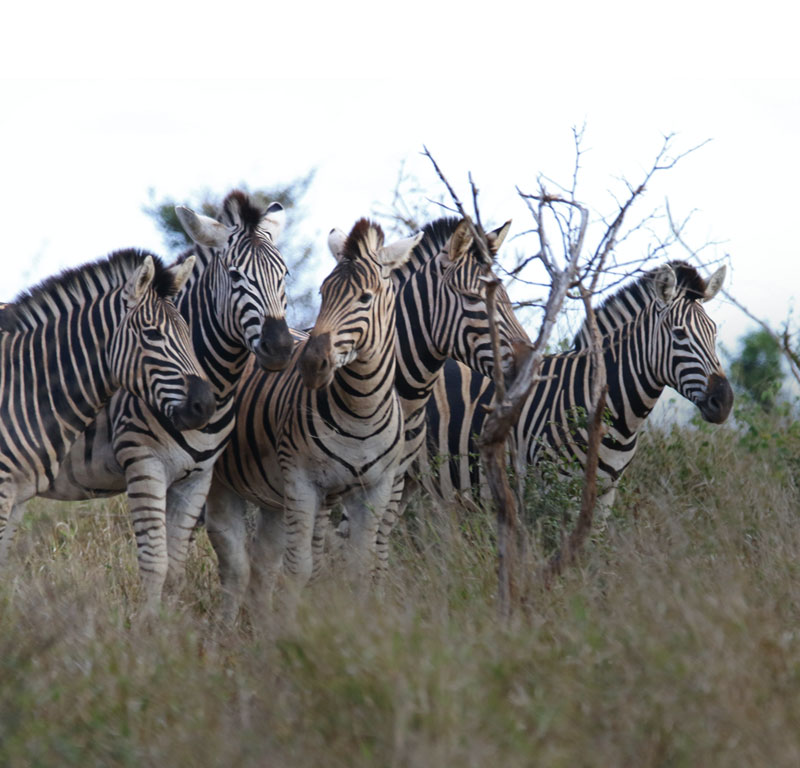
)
(100, 103)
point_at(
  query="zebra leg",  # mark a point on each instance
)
(147, 489)
(301, 505)
(404, 488)
(324, 539)
(10, 514)
(185, 500)
(226, 526)
(605, 501)
(266, 554)
(389, 519)
(366, 513)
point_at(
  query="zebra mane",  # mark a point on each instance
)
(365, 235)
(83, 282)
(8, 317)
(239, 207)
(630, 300)
(435, 236)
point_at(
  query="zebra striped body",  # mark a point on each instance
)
(656, 333)
(235, 305)
(329, 428)
(440, 312)
(68, 344)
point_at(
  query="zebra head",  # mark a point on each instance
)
(356, 316)
(253, 293)
(151, 354)
(460, 319)
(685, 357)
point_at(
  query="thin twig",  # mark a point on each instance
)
(783, 339)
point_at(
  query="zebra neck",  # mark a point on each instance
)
(220, 351)
(419, 362)
(364, 390)
(564, 387)
(633, 386)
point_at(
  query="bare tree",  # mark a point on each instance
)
(411, 205)
(573, 270)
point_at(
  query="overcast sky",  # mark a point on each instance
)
(99, 108)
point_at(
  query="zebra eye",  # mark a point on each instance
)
(365, 298)
(236, 275)
(680, 334)
(152, 334)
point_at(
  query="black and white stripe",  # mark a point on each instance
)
(67, 345)
(235, 304)
(329, 428)
(656, 334)
(441, 312)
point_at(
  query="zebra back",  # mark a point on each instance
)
(70, 342)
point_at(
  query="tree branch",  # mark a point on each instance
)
(782, 339)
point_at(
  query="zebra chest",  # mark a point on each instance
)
(135, 424)
(337, 456)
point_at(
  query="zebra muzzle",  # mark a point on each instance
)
(274, 349)
(315, 364)
(198, 406)
(718, 401)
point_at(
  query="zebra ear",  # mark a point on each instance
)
(395, 255)
(460, 242)
(715, 283)
(336, 241)
(202, 229)
(497, 236)
(181, 272)
(274, 220)
(140, 281)
(666, 282)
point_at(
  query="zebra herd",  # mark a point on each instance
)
(107, 386)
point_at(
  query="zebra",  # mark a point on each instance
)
(328, 429)
(68, 344)
(656, 333)
(442, 314)
(235, 304)
(440, 311)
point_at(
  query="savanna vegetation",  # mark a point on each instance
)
(675, 641)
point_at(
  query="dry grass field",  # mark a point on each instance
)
(675, 643)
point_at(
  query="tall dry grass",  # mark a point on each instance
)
(677, 641)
